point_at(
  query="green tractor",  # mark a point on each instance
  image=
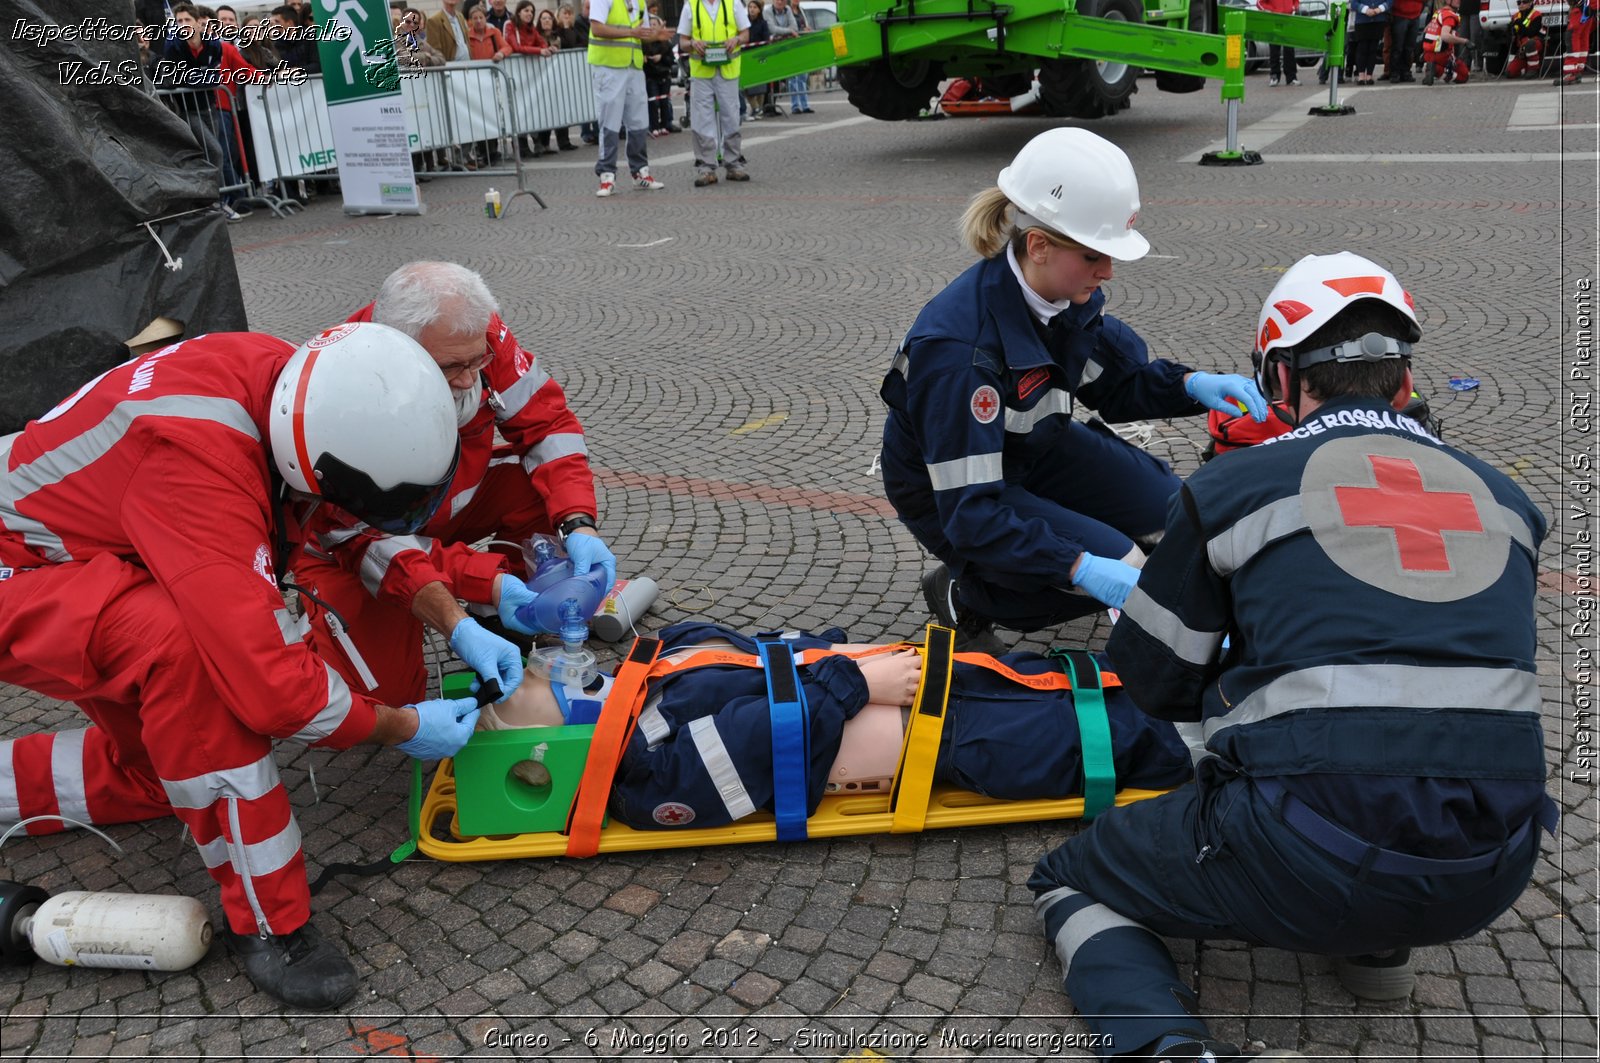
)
(892, 55)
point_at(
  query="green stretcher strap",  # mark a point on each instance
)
(1094, 730)
(913, 779)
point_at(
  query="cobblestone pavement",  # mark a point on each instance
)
(723, 346)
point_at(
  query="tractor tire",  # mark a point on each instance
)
(1084, 88)
(889, 90)
(1202, 19)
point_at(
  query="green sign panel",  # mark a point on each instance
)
(357, 48)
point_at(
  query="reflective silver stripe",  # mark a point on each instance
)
(333, 714)
(248, 781)
(551, 447)
(66, 774)
(458, 503)
(375, 562)
(1231, 549)
(292, 628)
(518, 395)
(719, 766)
(214, 853)
(1055, 401)
(1196, 647)
(653, 725)
(966, 472)
(10, 803)
(613, 42)
(1351, 686)
(1091, 372)
(901, 363)
(1083, 925)
(1046, 901)
(90, 446)
(260, 858)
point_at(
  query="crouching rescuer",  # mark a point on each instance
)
(142, 524)
(1347, 609)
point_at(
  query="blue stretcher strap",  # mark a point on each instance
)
(1094, 730)
(791, 738)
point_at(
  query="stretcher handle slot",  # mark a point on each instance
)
(913, 779)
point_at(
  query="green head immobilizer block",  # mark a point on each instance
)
(491, 799)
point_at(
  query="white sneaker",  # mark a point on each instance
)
(608, 185)
(235, 215)
(643, 181)
(1272, 83)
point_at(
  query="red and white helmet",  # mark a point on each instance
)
(362, 417)
(1316, 289)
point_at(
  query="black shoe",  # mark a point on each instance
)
(303, 969)
(1379, 975)
(973, 633)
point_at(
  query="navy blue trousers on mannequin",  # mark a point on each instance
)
(1214, 860)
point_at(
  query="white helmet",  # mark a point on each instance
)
(362, 417)
(1080, 185)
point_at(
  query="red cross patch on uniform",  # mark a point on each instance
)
(985, 404)
(1405, 517)
(673, 814)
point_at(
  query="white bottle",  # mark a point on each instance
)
(129, 931)
(491, 204)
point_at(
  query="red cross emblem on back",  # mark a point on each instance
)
(1418, 517)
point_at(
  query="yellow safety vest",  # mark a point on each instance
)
(724, 29)
(620, 53)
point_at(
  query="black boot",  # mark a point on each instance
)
(301, 968)
(974, 634)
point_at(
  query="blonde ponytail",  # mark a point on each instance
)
(984, 226)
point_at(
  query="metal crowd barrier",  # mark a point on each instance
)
(222, 142)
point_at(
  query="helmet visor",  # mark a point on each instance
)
(398, 510)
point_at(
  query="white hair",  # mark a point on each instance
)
(420, 294)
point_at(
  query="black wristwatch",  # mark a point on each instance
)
(573, 523)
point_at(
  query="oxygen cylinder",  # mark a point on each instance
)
(624, 607)
(129, 931)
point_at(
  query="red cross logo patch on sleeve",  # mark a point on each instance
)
(985, 404)
(1405, 517)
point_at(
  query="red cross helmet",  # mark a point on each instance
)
(1315, 289)
(362, 417)
(1080, 185)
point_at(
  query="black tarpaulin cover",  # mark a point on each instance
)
(81, 169)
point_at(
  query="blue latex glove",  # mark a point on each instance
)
(1105, 579)
(443, 727)
(1224, 392)
(487, 654)
(587, 551)
(514, 594)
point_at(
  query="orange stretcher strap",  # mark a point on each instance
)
(913, 779)
(1047, 681)
(611, 733)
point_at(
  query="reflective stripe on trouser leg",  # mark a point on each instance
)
(247, 835)
(1118, 973)
(73, 774)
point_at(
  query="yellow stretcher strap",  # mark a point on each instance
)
(611, 733)
(920, 750)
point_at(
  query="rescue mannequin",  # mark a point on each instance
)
(369, 594)
(1374, 766)
(1036, 518)
(1000, 738)
(140, 537)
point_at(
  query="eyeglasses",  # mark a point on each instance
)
(469, 367)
